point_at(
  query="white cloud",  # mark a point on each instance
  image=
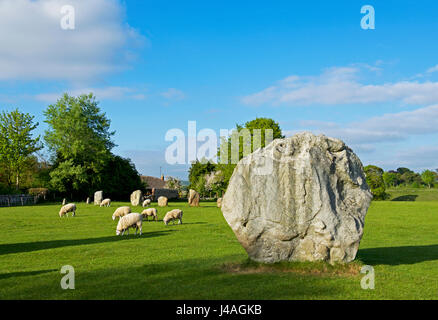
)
(341, 86)
(173, 94)
(34, 46)
(433, 69)
(390, 127)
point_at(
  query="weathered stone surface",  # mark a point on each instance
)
(64, 201)
(193, 198)
(302, 198)
(162, 201)
(219, 202)
(136, 198)
(98, 197)
(88, 200)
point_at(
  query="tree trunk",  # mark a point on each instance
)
(17, 181)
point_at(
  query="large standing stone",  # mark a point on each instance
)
(162, 201)
(98, 197)
(302, 198)
(193, 198)
(136, 198)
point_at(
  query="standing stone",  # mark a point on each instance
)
(219, 202)
(193, 198)
(64, 201)
(136, 198)
(88, 200)
(162, 201)
(302, 198)
(98, 197)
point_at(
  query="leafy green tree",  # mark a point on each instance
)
(428, 177)
(118, 178)
(79, 137)
(374, 179)
(391, 179)
(17, 144)
(173, 183)
(226, 166)
(199, 169)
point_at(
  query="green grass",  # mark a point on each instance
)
(413, 194)
(201, 259)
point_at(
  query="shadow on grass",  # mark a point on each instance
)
(394, 256)
(408, 197)
(24, 273)
(52, 244)
(187, 279)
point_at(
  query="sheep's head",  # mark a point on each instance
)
(114, 217)
(118, 232)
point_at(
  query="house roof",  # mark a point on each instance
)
(153, 182)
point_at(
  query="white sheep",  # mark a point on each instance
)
(146, 203)
(106, 203)
(121, 211)
(172, 216)
(132, 220)
(71, 207)
(150, 212)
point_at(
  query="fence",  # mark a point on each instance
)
(17, 200)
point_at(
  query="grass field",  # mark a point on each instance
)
(201, 259)
(413, 194)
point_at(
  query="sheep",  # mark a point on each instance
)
(131, 220)
(172, 216)
(71, 207)
(150, 212)
(146, 203)
(121, 211)
(106, 203)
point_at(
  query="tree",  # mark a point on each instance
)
(391, 179)
(119, 178)
(173, 183)
(17, 143)
(79, 139)
(261, 124)
(428, 177)
(374, 179)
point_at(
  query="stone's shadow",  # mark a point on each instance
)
(42, 245)
(408, 197)
(394, 256)
(24, 273)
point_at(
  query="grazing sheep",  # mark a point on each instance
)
(150, 212)
(146, 203)
(132, 220)
(71, 207)
(121, 211)
(105, 203)
(172, 216)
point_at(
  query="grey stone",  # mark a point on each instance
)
(193, 198)
(137, 198)
(302, 198)
(98, 197)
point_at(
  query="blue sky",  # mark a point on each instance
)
(309, 65)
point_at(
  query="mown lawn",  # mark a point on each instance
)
(413, 194)
(187, 261)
